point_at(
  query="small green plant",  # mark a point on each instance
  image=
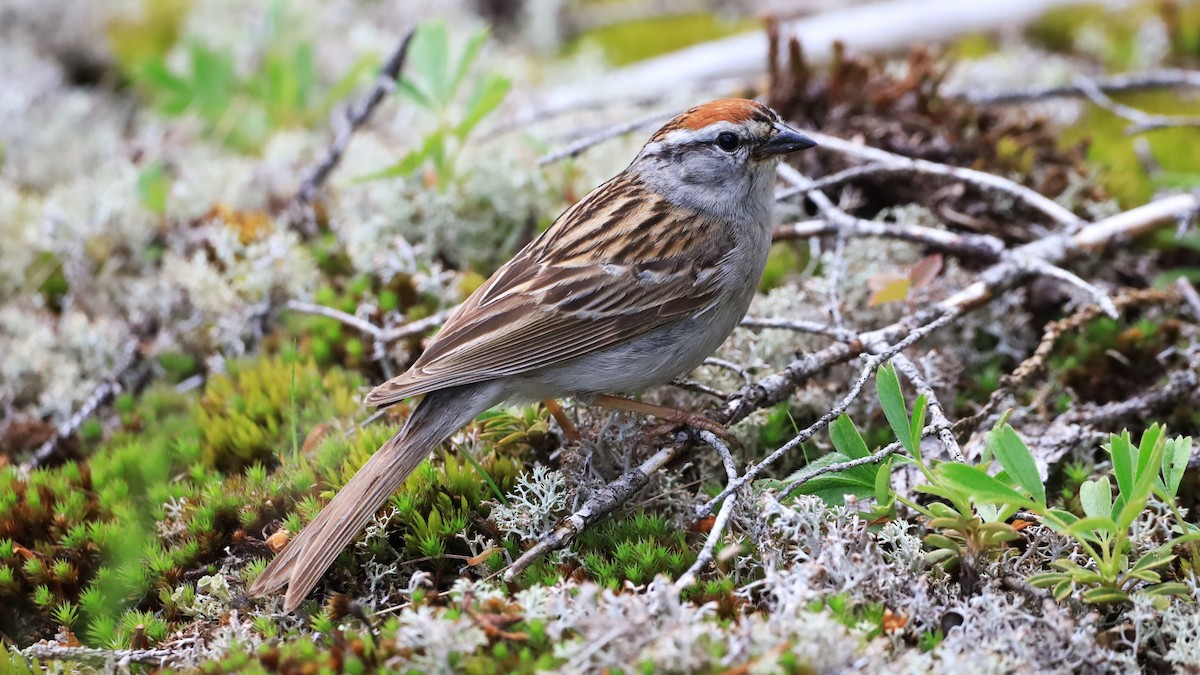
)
(433, 81)
(243, 110)
(1154, 467)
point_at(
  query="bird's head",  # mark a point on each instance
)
(719, 156)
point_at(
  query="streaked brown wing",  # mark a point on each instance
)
(617, 264)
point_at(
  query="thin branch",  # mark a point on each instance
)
(873, 458)
(799, 326)
(160, 658)
(1140, 120)
(730, 366)
(1155, 79)
(355, 118)
(598, 505)
(577, 148)
(705, 555)
(835, 179)
(1189, 294)
(108, 388)
(940, 424)
(1097, 294)
(982, 246)
(979, 179)
(361, 325)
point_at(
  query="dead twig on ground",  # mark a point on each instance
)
(1155, 79)
(101, 658)
(981, 179)
(1140, 120)
(356, 117)
(105, 391)
(705, 555)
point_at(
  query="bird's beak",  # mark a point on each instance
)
(786, 140)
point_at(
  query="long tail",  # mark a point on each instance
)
(305, 559)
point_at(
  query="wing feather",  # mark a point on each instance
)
(585, 284)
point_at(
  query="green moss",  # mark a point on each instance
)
(246, 416)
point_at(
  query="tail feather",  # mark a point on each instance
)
(305, 559)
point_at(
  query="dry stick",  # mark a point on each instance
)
(841, 221)
(1183, 386)
(355, 118)
(109, 387)
(1098, 295)
(776, 387)
(1140, 120)
(873, 458)
(937, 414)
(101, 657)
(1155, 79)
(576, 148)
(718, 527)
(978, 178)
(1189, 294)
(835, 179)
(800, 326)
(983, 246)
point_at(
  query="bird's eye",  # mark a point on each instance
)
(728, 141)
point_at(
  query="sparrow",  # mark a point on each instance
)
(635, 284)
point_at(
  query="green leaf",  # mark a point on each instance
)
(407, 89)
(887, 386)
(1176, 456)
(917, 425)
(883, 484)
(489, 92)
(1144, 485)
(1167, 588)
(982, 487)
(1121, 450)
(846, 438)
(1096, 498)
(470, 53)
(1017, 460)
(1104, 595)
(429, 56)
(1085, 526)
(832, 487)
(409, 162)
(1152, 439)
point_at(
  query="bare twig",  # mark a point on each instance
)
(594, 508)
(982, 246)
(1183, 386)
(873, 458)
(1140, 120)
(108, 388)
(705, 555)
(160, 658)
(940, 424)
(799, 326)
(1155, 79)
(576, 148)
(361, 325)
(1097, 294)
(355, 118)
(980, 179)
(1189, 294)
